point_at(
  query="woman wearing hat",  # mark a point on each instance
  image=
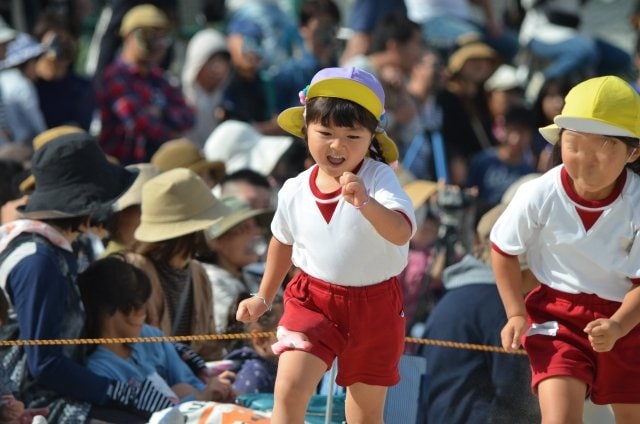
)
(38, 272)
(176, 207)
(233, 243)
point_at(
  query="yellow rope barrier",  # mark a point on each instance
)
(212, 337)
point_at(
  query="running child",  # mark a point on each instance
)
(345, 223)
(578, 225)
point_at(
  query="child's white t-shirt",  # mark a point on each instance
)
(347, 250)
(542, 222)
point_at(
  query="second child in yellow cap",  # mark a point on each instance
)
(578, 225)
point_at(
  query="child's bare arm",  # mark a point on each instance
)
(506, 269)
(603, 333)
(388, 223)
(277, 266)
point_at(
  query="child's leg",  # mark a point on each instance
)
(365, 404)
(298, 376)
(626, 413)
(561, 400)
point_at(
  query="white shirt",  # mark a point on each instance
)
(542, 222)
(347, 250)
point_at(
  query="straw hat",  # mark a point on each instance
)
(74, 179)
(475, 50)
(419, 191)
(604, 105)
(351, 84)
(182, 153)
(143, 16)
(176, 203)
(133, 196)
(238, 212)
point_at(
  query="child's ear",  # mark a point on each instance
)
(634, 155)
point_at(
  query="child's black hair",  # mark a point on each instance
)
(343, 113)
(109, 285)
(520, 116)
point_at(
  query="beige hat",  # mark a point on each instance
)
(143, 16)
(419, 191)
(176, 203)
(133, 196)
(238, 212)
(29, 183)
(471, 51)
(182, 153)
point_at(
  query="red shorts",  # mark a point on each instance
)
(363, 327)
(611, 377)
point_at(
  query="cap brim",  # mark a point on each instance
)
(28, 184)
(551, 133)
(292, 121)
(49, 214)
(591, 126)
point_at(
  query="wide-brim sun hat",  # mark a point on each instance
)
(419, 191)
(240, 146)
(182, 153)
(21, 49)
(237, 213)
(133, 196)
(143, 16)
(74, 178)
(351, 84)
(176, 203)
(29, 183)
(475, 50)
(605, 105)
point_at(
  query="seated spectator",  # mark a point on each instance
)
(176, 207)
(39, 271)
(115, 293)
(125, 216)
(66, 98)
(504, 90)
(235, 241)
(249, 186)
(256, 364)
(183, 153)
(139, 106)
(205, 75)
(493, 170)
(19, 95)
(467, 386)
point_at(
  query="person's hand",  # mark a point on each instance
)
(513, 331)
(29, 414)
(219, 389)
(11, 408)
(250, 309)
(603, 334)
(353, 190)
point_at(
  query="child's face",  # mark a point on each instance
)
(518, 137)
(594, 162)
(129, 324)
(337, 149)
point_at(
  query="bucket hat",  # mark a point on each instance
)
(237, 212)
(604, 105)
(240, 146)
(133, 196)
(182, 153)
(23, 48)
(143, 16)
(352, 84)
(74, 178)
(29, 183)
(176, 203)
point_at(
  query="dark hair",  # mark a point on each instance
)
(520, 116)
(393, 26)
(343, 113)
(314, 8)
(109, 285)
(11, 173)
(248, 175)
(68, 224)
(164, 251)
(562, 85)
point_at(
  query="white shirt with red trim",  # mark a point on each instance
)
(331, 239)
(571, 244)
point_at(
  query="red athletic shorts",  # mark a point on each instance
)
(363, 327)
(611, 377)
